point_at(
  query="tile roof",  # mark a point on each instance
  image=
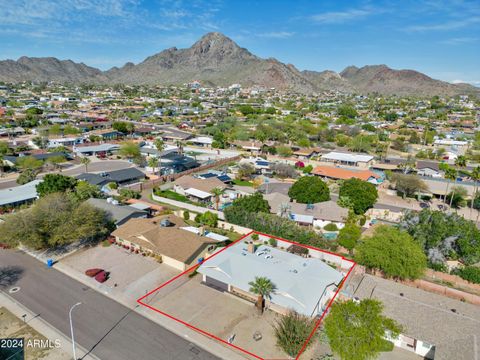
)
(171, 241)
(206, 185)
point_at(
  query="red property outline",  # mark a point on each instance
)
(317, 324)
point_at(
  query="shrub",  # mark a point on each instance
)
(272, 242)
(129, 194)
(330, 227)
(255, 237)
(291, 332)
(186, 215)
(470, 273)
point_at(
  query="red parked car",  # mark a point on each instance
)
(102, 276)
(92, 272)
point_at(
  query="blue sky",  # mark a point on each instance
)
(439, 38)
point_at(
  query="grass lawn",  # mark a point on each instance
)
(169, 194)
(242, 183)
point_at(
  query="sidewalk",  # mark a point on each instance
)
(210, 345)
(44, 328)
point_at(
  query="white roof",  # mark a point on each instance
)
(306, 219)
(140, 206)
(300, 282)
(19, 193)
(202, 140)
(338, 156)
(211, 235)
(450, 142)
(97, 148)
(198, 193)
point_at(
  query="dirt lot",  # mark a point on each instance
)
(13, 327)
(220, 314)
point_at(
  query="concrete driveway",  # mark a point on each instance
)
(220, 314)
(131, 275)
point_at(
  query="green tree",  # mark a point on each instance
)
(309, 190)
(217, 192)
(394, 252)
(443, 235)
(357, 331)
(160, 146)
(55, 183)
(130, 149)
(451, 176)
(208, 218)
(254, 203)
(85, 190)
(26, 176)
(291, 332)
(408, 185)
(85, 161)
(347, 111)
(120, 126)
(54, 220)
(470, 273)
(263, 287)
(349, 235)
(362, 194)
(457, 197)
(28, 162)
(56, 160)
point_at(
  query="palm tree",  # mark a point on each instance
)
(451, 175)
(460, 162)
(475, 176)
(160, 145)
(180, 144)
(263, 287)
(217, 192)
(85, 161)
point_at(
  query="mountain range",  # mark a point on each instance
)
(216, 60)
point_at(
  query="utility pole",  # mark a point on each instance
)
(71, 329)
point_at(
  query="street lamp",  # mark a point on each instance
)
(71, 329)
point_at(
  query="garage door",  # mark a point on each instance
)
(216, 284)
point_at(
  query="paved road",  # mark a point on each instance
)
(106, 328)
(97, 166)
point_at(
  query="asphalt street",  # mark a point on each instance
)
(106, 328)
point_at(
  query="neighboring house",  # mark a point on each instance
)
(12, 160)
(337, 173)
(457, 147)
(120, 177)
(216, 174)
(304, 284)
(99, 149)
(196, 188)
(429, 168)
(349, 159)
(250, 146)
(204, 141)
(318, 214)
(120, 214)
(164, 236)
(64, 141)
(305, 154)
(434, 326)
(19, 195)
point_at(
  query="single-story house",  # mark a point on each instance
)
(120, 177)
(64, 141)
(338, 173)
(349, 159)
(19, 195)
(120, 214)
(104, 148)
(164, 236)
(434, 326)
(458, 147)
(429, 168)
(204, 141)
(199, 189)
(302, 284)
(317, 215)
(11, 160)
(306, 153)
